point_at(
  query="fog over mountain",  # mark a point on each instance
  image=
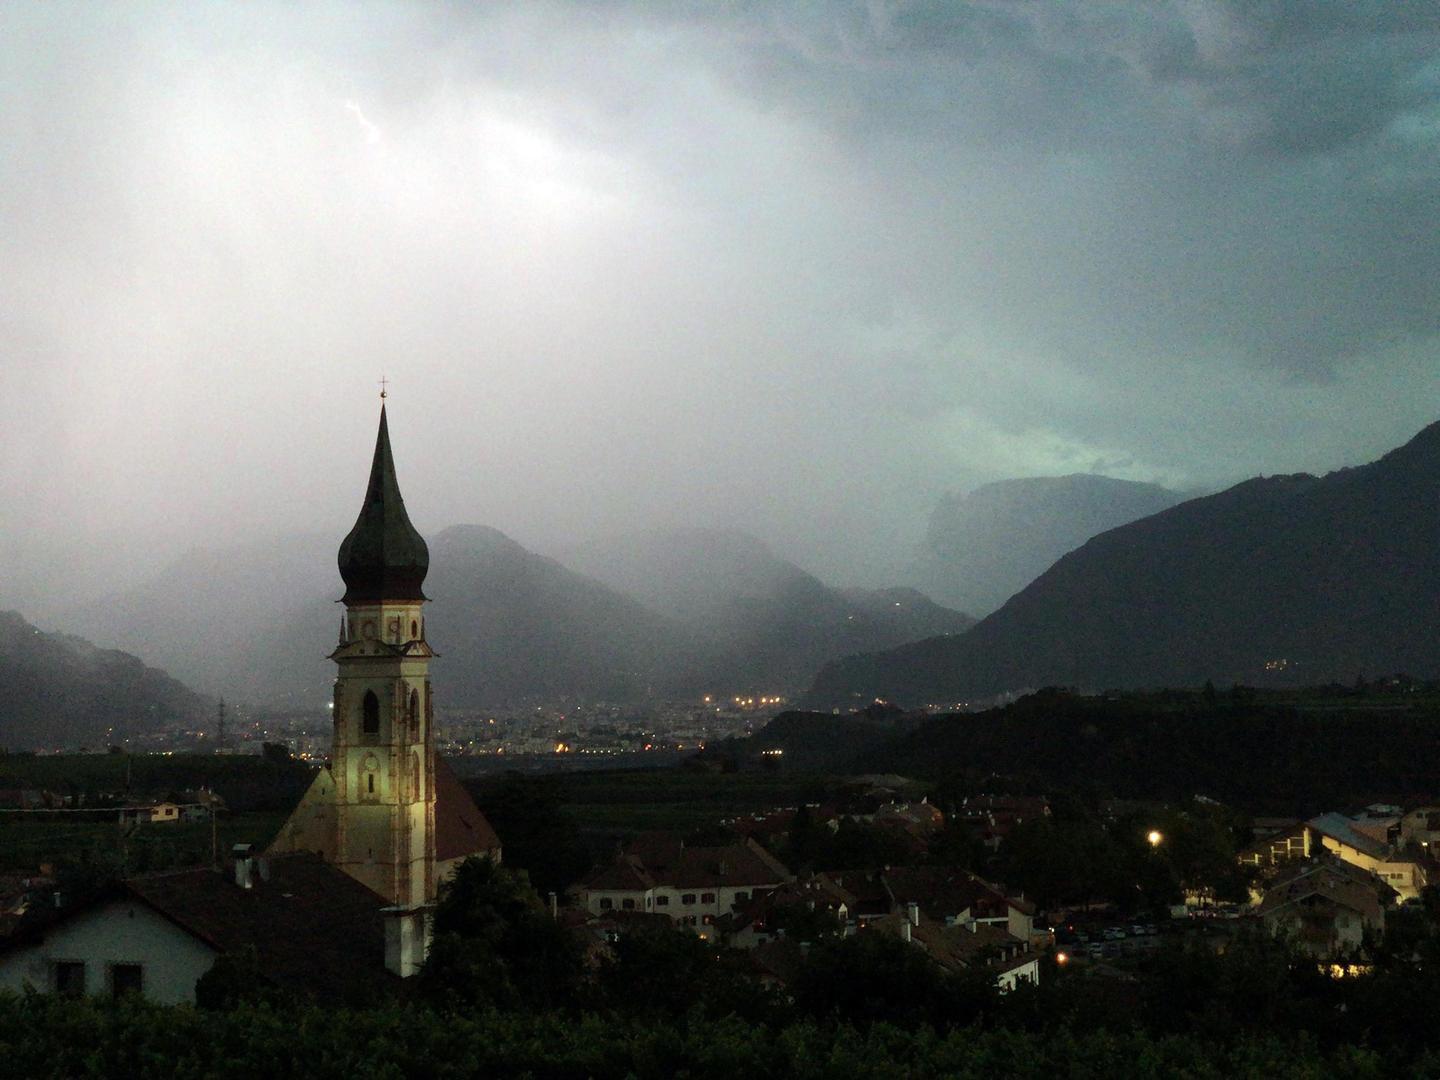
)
(757, 615)
(793, 268)
(665, 615)
(982, 548)
(60, 691)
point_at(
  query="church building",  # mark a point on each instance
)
(338, 907)
(386, 811)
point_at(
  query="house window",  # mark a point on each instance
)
(70, 978)
(628, 905)
(741, 897)
(707, 898)
(370, 720)
(606, 903)
(662, 901)
(126, 979)
(414, 713)
(687, 898)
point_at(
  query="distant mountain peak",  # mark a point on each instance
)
(1281, 579)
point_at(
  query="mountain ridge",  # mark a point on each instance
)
(1282, 579)
(58, 690)
(984, 546)
(255, 622)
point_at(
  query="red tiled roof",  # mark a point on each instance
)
(460, 827)
(1332, 886)
(744, 864)
(867, 890)
(315, 929)
(658, 851)
(625, 874)
(732, 865)
(955, 947)
(946, 891)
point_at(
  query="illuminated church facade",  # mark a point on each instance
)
(387, 812)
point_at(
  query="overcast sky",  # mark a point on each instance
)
(794, 267)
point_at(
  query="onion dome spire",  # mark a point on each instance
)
(384, 557)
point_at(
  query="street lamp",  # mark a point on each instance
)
(1155, 837)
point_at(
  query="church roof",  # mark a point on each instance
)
(383, 557)
(460, 828)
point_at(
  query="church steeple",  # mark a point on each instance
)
(372, 813)
(383, 758)
(383, 557)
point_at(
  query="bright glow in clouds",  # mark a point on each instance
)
(794, 268)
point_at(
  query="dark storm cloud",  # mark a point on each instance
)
(1255, 154)
(634, 263)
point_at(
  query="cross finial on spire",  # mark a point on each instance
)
(384, 383)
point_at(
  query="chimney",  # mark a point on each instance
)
(554, 905)
(912, 913)
(244, 866)
(905, 930)
(407, 939)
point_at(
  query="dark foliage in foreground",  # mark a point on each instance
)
(45, 1037)
(506, 992)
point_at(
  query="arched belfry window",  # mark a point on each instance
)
(414, 713)
(370, 715)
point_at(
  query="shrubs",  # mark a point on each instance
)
(44, 1037)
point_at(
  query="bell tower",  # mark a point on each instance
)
(383, 759)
